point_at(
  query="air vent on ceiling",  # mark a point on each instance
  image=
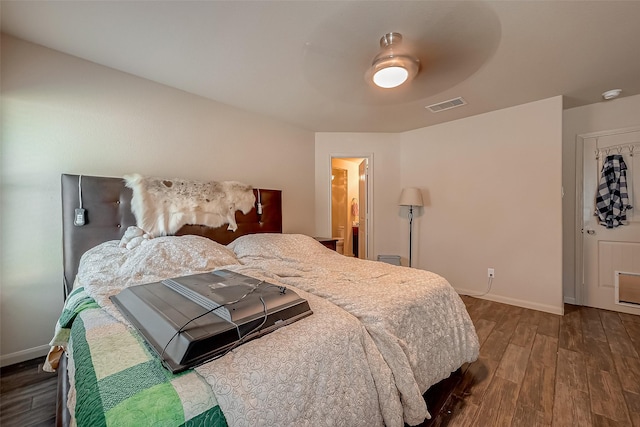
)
(446, 105)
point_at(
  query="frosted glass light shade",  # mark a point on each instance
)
(390, 77)
(411, 197)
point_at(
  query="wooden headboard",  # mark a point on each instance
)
(107, 204)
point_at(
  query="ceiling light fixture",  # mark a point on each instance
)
(611, 94)
(393, 66)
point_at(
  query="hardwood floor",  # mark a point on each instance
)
(27, 395)
(539, 369)
(534, 369)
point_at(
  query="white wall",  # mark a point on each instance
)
(603, 116)
(492, 190)
(494, 200)
(61, 114)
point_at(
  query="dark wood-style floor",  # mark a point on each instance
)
(535, 369)
(539, 369)
(27, 395)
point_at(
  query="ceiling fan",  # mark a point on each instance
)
(439, 44)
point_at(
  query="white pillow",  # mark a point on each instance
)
(108, 268)
(275, 245)
(156, 259)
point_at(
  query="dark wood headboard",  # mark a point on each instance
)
(108, 214)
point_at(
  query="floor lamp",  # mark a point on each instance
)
(411, 197)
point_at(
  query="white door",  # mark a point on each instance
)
(607, 250)
(363, 171)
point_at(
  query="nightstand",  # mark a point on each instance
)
(328, 242)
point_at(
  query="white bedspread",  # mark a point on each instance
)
(417, 320)
(324, 370)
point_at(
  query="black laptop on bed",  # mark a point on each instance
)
(191, 319)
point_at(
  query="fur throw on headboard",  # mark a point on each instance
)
(163, 206)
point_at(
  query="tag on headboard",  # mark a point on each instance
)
(259, 205)
(78, 218)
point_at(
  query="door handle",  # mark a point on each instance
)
(591, 232)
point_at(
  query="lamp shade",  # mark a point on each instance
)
(411, 197)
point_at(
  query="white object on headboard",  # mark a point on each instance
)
(259, 205)
(78, 218)
(163, 206)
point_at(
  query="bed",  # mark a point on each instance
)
(379, 337)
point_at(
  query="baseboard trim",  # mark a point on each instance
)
(570, 300)
(23, 355)
(512, 301)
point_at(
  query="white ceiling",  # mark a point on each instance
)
(303, 62)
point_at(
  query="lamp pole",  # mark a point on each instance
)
(411, 197)
(410, 233)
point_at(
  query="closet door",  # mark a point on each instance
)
(610, 254)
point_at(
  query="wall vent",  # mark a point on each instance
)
(627, 288)
(446, 105)
(390, 259)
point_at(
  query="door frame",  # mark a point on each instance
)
(579, 237)
(369, 208)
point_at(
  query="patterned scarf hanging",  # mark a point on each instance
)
(612, 200)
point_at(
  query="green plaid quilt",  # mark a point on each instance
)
(118, 380)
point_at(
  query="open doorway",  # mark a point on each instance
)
(349, 205)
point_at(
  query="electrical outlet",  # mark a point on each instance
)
(491, 273)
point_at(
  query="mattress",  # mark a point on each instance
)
(379, 336)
